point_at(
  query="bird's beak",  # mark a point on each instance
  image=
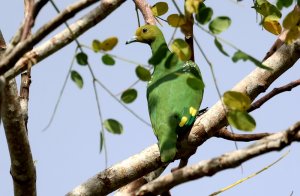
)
(133, 39)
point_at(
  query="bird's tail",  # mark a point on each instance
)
(167, 144)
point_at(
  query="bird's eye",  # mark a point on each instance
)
(145, 30)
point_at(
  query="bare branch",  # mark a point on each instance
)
(22, 166)
(145, 8)
(205, 126)
(26, 76)
(13, 55)
(226, 134)
(210, 167)
(28, 23)
(65, 37)
(2, 43)
(274, 92)
(277, 44)
(37, 7)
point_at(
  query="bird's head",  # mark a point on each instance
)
(146, 34)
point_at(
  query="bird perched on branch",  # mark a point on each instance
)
(174, 92)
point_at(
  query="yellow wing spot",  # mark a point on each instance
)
(183, 121)
(193, 111)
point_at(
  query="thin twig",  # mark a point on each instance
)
(274, 92)
(228, 135)
(94, 85)
(61, 93)
(250, 176)
(120, 102)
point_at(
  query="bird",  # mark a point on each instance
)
(174, 92)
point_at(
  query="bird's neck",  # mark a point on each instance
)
(157, 43)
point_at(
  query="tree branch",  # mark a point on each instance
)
(205, 126)
(65, 37)
(22, 166)
(26, 76)
(37, 7)
(210, 167)
(274, 92)
(14, 54)
(145, 8)
(228, 135)
(120, 174)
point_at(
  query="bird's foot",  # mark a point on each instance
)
(202, 111)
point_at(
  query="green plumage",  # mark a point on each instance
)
(174, 92)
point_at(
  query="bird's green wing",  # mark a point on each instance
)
(173, 100)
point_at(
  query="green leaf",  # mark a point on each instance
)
(220, 47)
(204, 15)
(108, 60)
(159, 55)
(191, 6)
(101, 141)
(176, 20)
(129, 95)
(76, 77)
(283, 3)
(291, 19)
(266, 9)
(143, 73)
(279, 4)
(236, 101)
(96, 45)
(160, 8)
(241, 120)
(292, 35)
(239, 55)
(219, 24)
(260, 2)
(182, 49)
(82, 58)
(109, 43)
(113, 126)
(271, 24)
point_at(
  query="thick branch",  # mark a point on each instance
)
(13, 55)
(229, 160)
(65, 37)
(22, 166)
(205, 126)
(120, 174)
(274, 92)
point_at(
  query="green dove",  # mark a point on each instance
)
(174, 93)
